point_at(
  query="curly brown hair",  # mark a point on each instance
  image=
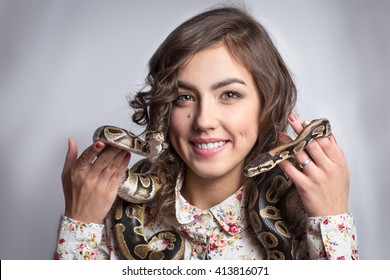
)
(249, 43)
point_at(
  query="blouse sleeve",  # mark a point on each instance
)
(79, 241)
(332, 237)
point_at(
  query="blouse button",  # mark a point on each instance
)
(204, 219)
(330, 235)
(91, 245)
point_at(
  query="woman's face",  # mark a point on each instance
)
(215, 118)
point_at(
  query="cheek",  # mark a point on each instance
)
(179, 126)
(245, 124)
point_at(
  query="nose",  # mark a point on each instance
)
(206, 116)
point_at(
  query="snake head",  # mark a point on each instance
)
(262, 163)
(155, 141)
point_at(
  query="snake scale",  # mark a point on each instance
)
(140, 184)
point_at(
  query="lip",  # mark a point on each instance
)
(208, 153)
(207, 140)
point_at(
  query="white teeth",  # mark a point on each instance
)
(209, 146)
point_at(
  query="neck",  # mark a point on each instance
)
(205, 193)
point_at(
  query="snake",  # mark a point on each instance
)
(140, 185)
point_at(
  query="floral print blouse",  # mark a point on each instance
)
(217, 233)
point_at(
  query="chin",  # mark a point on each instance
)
(210, 172)
(209, 175)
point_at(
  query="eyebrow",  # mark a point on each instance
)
(227, 82)
(215, 86)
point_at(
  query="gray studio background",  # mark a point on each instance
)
(67, 67)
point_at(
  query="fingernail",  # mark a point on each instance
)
(333, 139)
(282, 135)
(99, 145)
(292, 117)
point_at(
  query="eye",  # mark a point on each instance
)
(230, 95)
(183, 98)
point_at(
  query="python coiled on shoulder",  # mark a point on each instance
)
(140, 184)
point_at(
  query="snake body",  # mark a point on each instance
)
(136, 186)
(129, 225)
(267, 161)
(140, 185)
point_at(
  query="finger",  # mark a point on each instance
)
(323, 149)
(112, 175)
(314, 149)
(293, 173)
(107, 159)
(330, 148)
(112, 161)
(112, 182)
(302, 158)
(296, 125)
(71, 156)
(90, 154)
(119, 172)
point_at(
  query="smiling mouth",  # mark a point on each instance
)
(209, 146)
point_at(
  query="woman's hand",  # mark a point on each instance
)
(91, 182)
(323, 182)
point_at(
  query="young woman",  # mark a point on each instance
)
(221, 93)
